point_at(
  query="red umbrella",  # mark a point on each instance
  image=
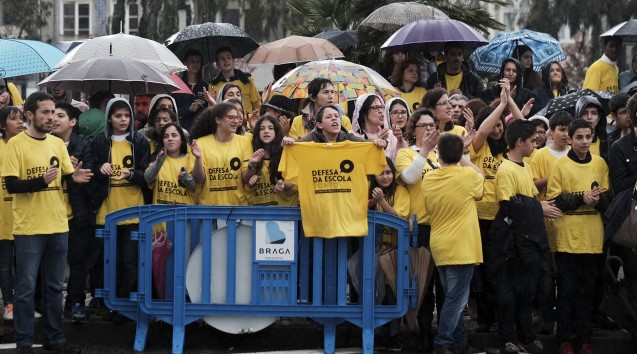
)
(183, 88)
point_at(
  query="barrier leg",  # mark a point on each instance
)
(178, 339)
(329, 335)
(141, 331)
(368, 340)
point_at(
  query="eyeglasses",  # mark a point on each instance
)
(454, 106)
(443, 103)
(425, 125)
(378, 108)
(231, 117)
(540, 132)
(398, 113)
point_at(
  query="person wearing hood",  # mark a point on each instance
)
(120, 158)
(397, 114)
(454, 75)
(530, 78)
(320, 92)
(628, 76)
(369, 122)
(151, 130)
(589, 109)
(554, 84)
(228, 74)
(603, 75)
(512, 71)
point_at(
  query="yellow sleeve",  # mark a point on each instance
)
(297, 128)
(380, 160)
(346, 123)
(16, 98)
(10, 165)
(477, 183)
(593, 78)
(401, 202)
(246, 152)
(403, 160)
(505, 186)
(288, 169)
(554, 186)
(536, 165)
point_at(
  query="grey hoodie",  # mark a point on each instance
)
(131, 125)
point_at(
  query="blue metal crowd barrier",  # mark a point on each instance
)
(305, 278)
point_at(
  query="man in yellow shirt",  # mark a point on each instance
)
(455, 76)
(228, 74)
(603, 75)
(34, 165)
(578, 184)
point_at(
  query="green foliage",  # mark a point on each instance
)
(26, 18)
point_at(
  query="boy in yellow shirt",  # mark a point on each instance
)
(516, 241)
(578, 184)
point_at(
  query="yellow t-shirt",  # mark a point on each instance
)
(333, 185)
(413, 98)
(6, 204)
(249, 93)
(512, 179)
(602, 76)
(298, 130)
(487, 207)
(541, 163)
(456, 130)
(453, 81)
(166, 188)
(223, 165)
(28, 158)
(262, 193)
(400, 203)
(449, 194)
(121, 194)
(580, 230)
(404, 158)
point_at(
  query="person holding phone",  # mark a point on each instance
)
(368, 122)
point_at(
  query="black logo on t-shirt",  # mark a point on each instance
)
(347, 166)
(127, 161)
(55, 162)
(235, 163)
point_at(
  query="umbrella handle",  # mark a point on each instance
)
(609, 270)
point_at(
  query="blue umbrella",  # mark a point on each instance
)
(545, 49)
(433, 35)
(23, 57)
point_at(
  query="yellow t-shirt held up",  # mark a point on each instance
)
(333, 185)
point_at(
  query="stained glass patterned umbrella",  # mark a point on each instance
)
(545, 49)
(24, 57)
(350, 80)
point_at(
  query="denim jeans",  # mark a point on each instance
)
(456, 280)
(48, 254)
(576, 275)
(6, 271)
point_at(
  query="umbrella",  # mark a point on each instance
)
(395, 15)
(567, 102)
(626, 30)
(545, 49)
(114, 74)
(208, 37)
(67, 46)
(183, 88)
(350, 80)
(432, 35)
(341, 39)
(294, 49)
(630, 88)
(126, 46)
(24, 57)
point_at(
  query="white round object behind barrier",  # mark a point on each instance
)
(218, 270)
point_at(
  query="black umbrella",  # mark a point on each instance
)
(567, 102)
(627, 31)
(341, 39)
(208, 37)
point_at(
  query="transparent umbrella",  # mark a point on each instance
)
(393, 16)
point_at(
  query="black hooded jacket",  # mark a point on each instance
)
(102, 145)
(79, 194)
(600, 131)
(544, 93)
(522, 95)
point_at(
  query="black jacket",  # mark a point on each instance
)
(524, 239)
(522, 95)
(471, 84)
(544, 93)
(79, 194)
(622, 162)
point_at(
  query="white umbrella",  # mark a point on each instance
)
(126, 46)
